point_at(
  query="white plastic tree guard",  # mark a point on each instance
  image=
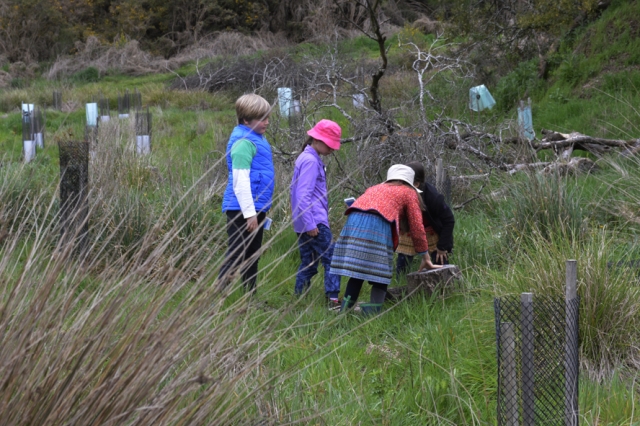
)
(92, 114)
(480, 98)
(285, 96)
(358, 100)
(29, 150)
(143, 145)
(295, 108)
(525, 121)
(39, 140)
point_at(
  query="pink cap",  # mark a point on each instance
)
(328, 132)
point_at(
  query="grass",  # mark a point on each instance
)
(137, 331)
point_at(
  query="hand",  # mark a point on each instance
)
(313, 232)
(441, 256)
(252, 223)
(426, 263)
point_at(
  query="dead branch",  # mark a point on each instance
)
(475, 197)
(556, 141)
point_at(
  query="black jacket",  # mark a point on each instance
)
(438, 215)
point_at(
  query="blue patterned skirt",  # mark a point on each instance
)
(364, 249)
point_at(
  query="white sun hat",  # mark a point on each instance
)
(403, 173)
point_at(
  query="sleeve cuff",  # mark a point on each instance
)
(248, 213)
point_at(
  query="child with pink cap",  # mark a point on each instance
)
(310, 209)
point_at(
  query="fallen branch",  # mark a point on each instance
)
(557, 141)
(514, 168)
(475, 197)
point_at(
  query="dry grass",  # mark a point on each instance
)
(126, 332)
(127, 59)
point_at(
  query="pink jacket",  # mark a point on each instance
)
(394, 202)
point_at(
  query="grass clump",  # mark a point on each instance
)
(544, 206)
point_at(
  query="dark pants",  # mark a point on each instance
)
(314, 250)
(243, 252)
(354, 285)
(403, 263)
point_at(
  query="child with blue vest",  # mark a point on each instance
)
(310, 209)
(249, 192)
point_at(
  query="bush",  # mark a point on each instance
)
(87, 75)
(522, 82)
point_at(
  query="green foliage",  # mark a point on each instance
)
(543, 206)
(87, 75)
(158, 235)
(575, 70)
(538, 266)
(519, 84)
(555, 15)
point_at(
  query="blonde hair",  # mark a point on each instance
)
(252, 107)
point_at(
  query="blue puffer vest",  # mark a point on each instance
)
(262, 174)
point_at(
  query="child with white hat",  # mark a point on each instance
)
(364, 250)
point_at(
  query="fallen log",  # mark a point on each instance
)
(559, 141)
(572, 167)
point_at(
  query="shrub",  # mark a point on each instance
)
(87, 75)
(520, 83)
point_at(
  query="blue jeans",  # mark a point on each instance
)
(314, 250)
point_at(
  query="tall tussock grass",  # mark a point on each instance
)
(551, 219)
(126, 325)
(134, 341)
(545, 205)
(609, 296)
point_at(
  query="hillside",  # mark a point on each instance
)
(128, 323)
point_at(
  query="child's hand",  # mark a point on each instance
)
(313, 232)
(252, 223)
(426, 263)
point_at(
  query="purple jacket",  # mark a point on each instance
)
(309, 204)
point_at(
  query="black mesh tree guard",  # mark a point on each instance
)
(135, 100)
(124, 105)
(443, 187)
(27, 126)
(538, 360)
(28, 142)
(38, 126)
(57, 100)
(74, 188)
(104, 113)
(143, 132)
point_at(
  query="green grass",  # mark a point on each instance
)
(168, 341)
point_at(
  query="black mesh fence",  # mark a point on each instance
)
(74, 188)
(538, 360)
(443, 187)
